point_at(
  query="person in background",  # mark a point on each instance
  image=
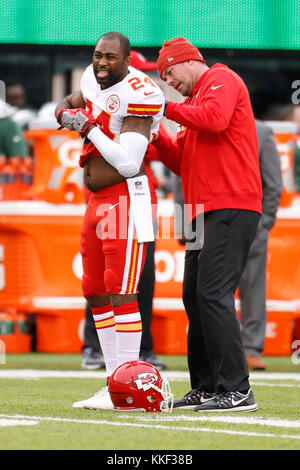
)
(92, 357)
(291, 112)
(252, 286)
(12, 142)
(15, 94)
(16, 97)
(216, 155)
(147, 282)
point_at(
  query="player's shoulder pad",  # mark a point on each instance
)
(88, 82)
(144, 96)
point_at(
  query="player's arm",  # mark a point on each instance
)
(66, 109)
(126, 155)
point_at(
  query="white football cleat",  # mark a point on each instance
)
(100, 401)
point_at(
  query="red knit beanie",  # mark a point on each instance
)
(176, 50)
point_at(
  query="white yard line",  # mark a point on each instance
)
(153, 426)
(266, 384)
(274, 422)
(275, 376)
(49, 374)
(17, 422)
(170, 375)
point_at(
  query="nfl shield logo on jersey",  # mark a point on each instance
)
(113, 103)
(138, 185)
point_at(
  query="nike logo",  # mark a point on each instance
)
(111, 207)
(146, 94)
(237, 402)
(215, 87)
(204, 400)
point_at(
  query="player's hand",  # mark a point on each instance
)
(66, 118)
(83, 120)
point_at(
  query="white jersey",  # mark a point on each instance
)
(135, 95)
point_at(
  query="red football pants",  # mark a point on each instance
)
(112, 258)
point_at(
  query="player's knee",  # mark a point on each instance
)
(112, 281)
(98, 300)
(122, 299)
(90, 287)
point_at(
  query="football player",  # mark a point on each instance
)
(117, 111)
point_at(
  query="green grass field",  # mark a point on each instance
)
(37, 392)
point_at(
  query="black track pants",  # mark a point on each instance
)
(216, 357)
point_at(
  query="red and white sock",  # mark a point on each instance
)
(105, 326)
(128, 332)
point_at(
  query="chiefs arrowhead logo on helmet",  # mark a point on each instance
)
(145, 380)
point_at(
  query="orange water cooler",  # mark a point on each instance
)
(40, 264)
(57, 175)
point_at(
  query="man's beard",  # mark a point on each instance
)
(110, 79)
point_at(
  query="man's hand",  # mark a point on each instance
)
(66, 118)
(83, 122)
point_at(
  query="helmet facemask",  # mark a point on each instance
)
(166, 404)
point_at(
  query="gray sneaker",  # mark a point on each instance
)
(193, 398)
(230, 401)
(92, 359)
(151, 358)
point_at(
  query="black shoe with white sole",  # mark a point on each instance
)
(149, 356)
(92, 359)
(230, 401)
(193, 398)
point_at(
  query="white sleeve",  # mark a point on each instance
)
(126, 156)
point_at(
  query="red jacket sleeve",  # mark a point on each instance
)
(213, 111)
(168, 150)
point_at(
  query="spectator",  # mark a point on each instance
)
(291, 113)
(16, 97)
(252, 287)
(147, 282)
(12, 142)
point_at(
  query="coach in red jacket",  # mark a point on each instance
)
(216, 155)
